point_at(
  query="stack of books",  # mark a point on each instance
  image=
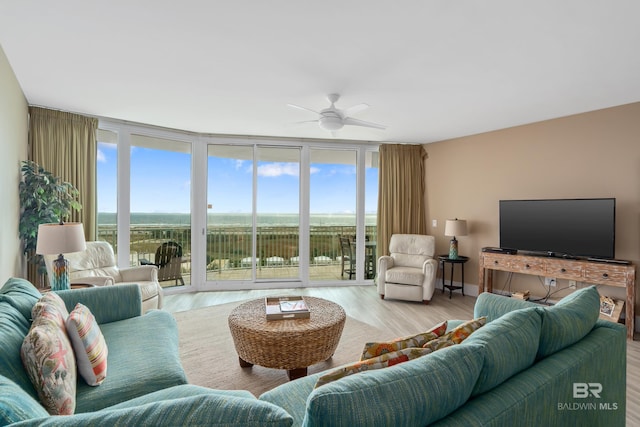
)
(280, 308)
(521, 295)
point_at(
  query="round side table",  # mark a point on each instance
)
(291, 344)
(461, 260)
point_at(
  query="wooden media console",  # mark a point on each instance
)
(593, 272)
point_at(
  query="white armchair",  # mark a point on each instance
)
(97, 266)
(409, 273)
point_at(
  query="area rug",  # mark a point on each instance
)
(210, 360)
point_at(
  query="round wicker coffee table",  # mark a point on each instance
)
(292, 344)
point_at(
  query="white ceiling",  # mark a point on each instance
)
(430, 70)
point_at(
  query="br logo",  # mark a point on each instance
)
(584, 390)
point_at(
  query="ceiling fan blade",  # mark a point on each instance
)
(355, 109)
(306, 121)
(303, 108)
(357, 122)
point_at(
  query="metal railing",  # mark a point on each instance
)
(230, 248)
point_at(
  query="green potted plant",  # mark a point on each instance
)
(44, 198)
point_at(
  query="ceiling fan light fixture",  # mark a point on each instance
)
(330, 123)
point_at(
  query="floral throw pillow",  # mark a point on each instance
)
(48, 357)
(456, 335)
(375, 349)
(89, 345)
(383, 361)
(51, 307)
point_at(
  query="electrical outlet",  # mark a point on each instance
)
(434, 223)
(572, 284)
(550, 281)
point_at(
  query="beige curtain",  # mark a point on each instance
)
(65, 144)
(401, 193)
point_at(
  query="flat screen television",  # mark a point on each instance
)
(581, 228)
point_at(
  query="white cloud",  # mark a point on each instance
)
(101, 157)
(279, 169)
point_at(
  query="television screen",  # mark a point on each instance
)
(560, 227)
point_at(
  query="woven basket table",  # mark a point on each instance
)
(291, 344)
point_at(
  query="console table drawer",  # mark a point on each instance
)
(528, 266)
(605, 275)
(497, 262)
(564, 270)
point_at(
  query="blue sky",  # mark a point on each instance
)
(161, 182)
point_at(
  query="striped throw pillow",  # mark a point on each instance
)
(88, 345)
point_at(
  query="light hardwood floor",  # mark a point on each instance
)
(397, 317)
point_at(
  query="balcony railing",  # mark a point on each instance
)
(230, 248)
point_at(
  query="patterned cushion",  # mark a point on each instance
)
(89, 345)
(52, 307)
(456, 335)
(375, 349)
(383, 361)
(569, 320)
(48, 357)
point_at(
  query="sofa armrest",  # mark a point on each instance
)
(210, 409)
(143, 273)
(107, 303)
(94, 280)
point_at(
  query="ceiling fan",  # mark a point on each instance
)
(333, 119)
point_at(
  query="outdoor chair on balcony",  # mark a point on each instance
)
(169, 260)
(348, 261)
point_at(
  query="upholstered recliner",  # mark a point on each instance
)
(97, 266)
(409, 273)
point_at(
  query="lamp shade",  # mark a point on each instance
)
(60, 238)
(455, 227)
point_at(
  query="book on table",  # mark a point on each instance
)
(281, 308)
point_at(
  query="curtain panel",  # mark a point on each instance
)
(401, 193)
(65, 144)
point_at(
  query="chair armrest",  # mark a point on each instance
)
(385, 262)
(143, 273)
(107, 303)
(94, 280)
(430, 267)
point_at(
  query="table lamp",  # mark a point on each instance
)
(455, 227)
(60, 238)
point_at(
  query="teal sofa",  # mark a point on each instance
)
(528, 366)
(145, 383)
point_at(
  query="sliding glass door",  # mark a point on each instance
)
(278, 212)
(160, 207)
(252, 213)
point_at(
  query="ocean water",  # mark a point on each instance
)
(236, 219)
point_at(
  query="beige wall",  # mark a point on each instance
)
(13, 145)
(595, 154)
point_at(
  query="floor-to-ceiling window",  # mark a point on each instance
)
(160, 207)
(107, 176)
(260, 212)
